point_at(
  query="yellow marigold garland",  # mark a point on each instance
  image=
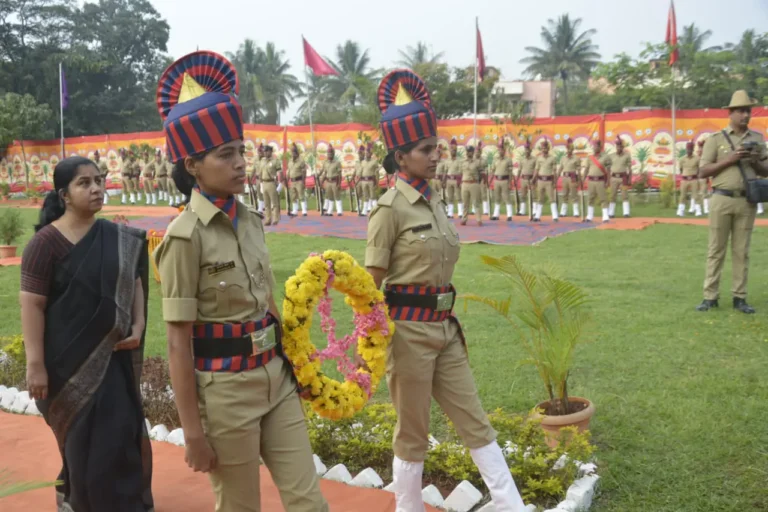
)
(303, 291)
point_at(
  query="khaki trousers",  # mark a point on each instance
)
(149, 186)
(525, 186)
(545, 189)
(596, 190)
(501, 191)
(452, 192)
(470, 196)
(688, 187)
(436, 185)
(271, 203)
(425, 360)
(332, 191)
(135, 183)
(297, 190)
(252, 414)
(570, 190)
(369, 190)
(172, 187)
(703, 192)
(734, 217)
(128, 184)
(162, 183)
(616, 185)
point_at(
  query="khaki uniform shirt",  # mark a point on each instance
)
(269, 169)
(592, 169)
(527, 166)
(717, 148)
(470, 170)
(161, 169)
(442, 168)
(503, 167)
(331, 170)
(546, 165)
(149, 169)
(453, 168)
(358, 172)
(168, 166)
(131, 169)
(400, 242)
(209, 272)
(690, 165)
(371, 168)
(570, 164)
(103, 169)
(297, 169)
(620, 163)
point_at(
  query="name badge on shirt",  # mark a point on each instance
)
(264, 340)
(221, 267)
(423, 227)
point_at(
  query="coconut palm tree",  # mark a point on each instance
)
(247, 61)
(354, 74)
(420, 54)
(567, 55)
(693, 41)
(277, 87)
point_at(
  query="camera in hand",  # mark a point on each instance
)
(749, 145)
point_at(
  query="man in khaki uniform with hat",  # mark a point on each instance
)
(103, 171)
(471, 172)
(730, 214)
(544, 176)
(297, 175)
(525, 178)
(436, 184)
(357, 180)
(596, 176)
(689, 170)
(503, 171)
(269, 173)
(330, 177)
(703, 193)
(570, 170)
(453, 179)
(370, 180)
(620, 165)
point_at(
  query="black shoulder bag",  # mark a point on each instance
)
(757, 188)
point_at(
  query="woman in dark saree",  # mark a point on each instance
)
(83, 310)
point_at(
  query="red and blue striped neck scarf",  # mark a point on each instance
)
(228, 206)
(421, 185)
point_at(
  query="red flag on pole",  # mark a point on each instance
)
(316, 62)
(671, 38)
(480, 56)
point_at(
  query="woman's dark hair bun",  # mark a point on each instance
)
(390, 164)
(184, 181)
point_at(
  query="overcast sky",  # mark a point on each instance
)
(383, 28)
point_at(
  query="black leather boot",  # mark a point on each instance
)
(741, 305)
(707, 304)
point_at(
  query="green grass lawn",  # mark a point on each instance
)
(682, 397)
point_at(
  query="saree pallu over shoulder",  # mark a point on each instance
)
(89, 310)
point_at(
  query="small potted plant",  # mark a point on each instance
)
(547, 316)
(11, 228)
(5, 191)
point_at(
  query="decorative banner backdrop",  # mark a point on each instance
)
(648, 135)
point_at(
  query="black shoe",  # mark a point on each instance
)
(741, 305)
(626, 215)
(509, 219)
(339, 214)
(494, 218)
(555, 220)
(587, 220)
(611, 216)
(708, 304)
(303, 214)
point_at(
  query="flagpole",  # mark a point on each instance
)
(61, 108)
(474, 117)
(674, 140)
(312, 138)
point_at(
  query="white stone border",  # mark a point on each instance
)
(464, 498)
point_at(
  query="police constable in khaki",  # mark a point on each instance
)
(174, 197)
(689, 170)
(596, 176)
(436, 184)
(103, 171)
(471, 174)
(730, 215)
(703, 187)
(620, 164)
(297, 175)
(503, 171)
(413, 248)
(524, 179)
(135, 168)
(330, 177)
(453, 179)
(545, 178)
(570, 172)
(357, 180)
(269, 170)
(127, 163)
(234, 390)
(370, 180)
(484, 190)
(148, 177)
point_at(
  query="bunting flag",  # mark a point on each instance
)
(313, 60)
(480, 56)
(64, 91)
(671, 38)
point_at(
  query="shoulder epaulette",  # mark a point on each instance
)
(255, 212)
(183, 226)
(388, 197)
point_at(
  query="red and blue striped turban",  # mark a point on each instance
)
(406, 109)
(197, 100)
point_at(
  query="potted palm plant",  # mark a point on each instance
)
(546, 314)
(11, 228)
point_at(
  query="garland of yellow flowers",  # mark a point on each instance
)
(373, 331)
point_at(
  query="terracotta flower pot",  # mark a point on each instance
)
(552, 424)
(7, 251)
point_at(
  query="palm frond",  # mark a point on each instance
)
(8, 487)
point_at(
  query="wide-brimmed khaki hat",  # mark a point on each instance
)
(741, 99)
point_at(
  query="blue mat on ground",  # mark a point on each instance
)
(518, 232)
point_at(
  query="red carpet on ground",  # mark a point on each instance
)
(28, 450)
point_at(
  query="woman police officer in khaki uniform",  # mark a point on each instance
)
(236, 395)
(413, 247)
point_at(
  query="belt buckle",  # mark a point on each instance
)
(444, 301)
(263, 340)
